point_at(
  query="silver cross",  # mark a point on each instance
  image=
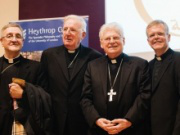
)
(111, 94)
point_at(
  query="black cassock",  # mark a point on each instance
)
(130, 98)
(165, 100)
(65, 86)
(34, 107)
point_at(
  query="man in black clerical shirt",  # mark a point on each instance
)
(116, 90)
(65, 67)
(165, 69)
(24, 107)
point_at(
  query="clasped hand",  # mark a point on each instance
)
(15, 91)
(113, 127)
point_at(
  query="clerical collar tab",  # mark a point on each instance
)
(114, 61)
(71, 51)
(10, 60)
(159, 58)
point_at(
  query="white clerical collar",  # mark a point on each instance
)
(113, 61)
(11, 60)
(159, 58)
(71, 51)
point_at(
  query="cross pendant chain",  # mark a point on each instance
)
(112, 93)
(73, 60)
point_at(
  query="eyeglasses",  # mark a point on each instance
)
(11, 37)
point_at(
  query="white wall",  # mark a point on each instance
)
(9, 11)
(134, 15)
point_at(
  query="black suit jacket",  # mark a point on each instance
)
(133, 95)
(30, 71)
(165, 103)
(65, 91)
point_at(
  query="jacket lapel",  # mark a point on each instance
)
(61, 60)
(164, 66)
(103, 76)
(125, 73)
(1, 61)
(82, 59)
(23, 68)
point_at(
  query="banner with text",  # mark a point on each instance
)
(41, 34)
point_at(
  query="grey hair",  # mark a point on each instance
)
(158, 22)
(114, 25)
(78, 18)
(11, 25)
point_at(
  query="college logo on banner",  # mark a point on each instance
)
(170, 17)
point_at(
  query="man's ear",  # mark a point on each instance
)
(101, 46)
(169, 38)
(1, 42)
(83, 35)
(148, 40)
(101, 43)
(124, 41)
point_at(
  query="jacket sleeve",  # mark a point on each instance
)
(40, 117)
(176, 130)
(89, 111)
(140, 107)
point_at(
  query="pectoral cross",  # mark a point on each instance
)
(111, 94)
